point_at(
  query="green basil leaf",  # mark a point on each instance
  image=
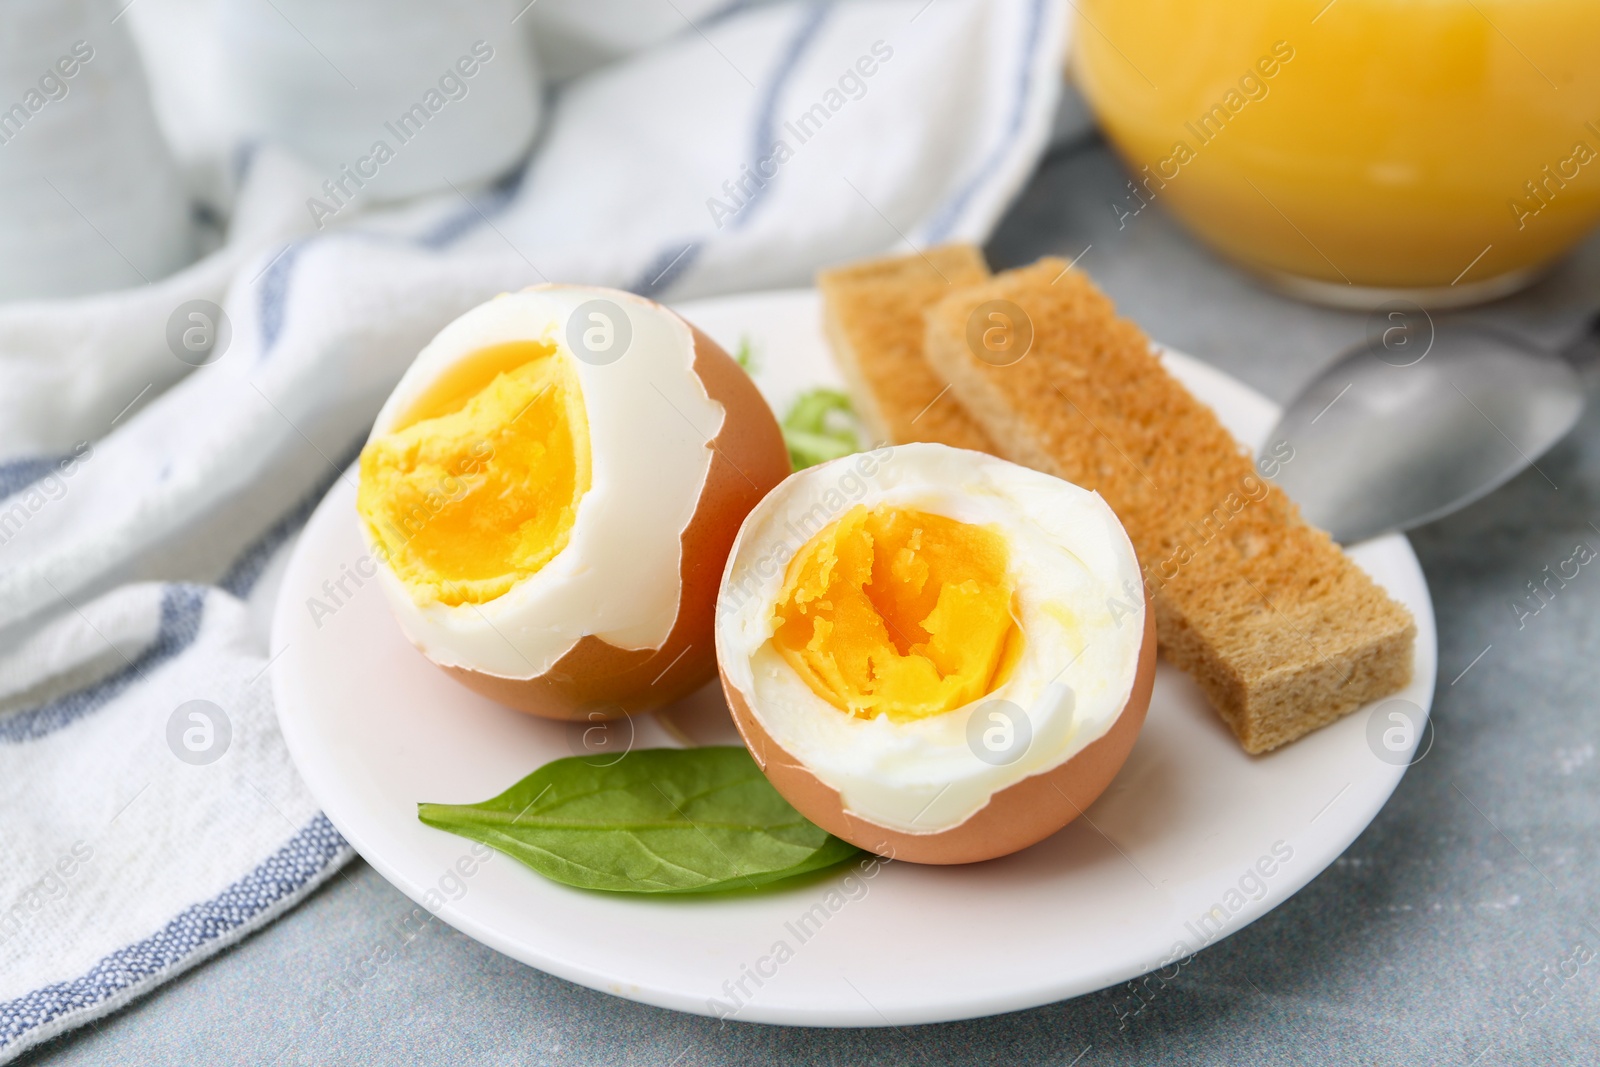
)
(745, 355)
(694, 820)
(821, 425)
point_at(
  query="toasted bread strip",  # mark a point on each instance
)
(1283, 632)
(873, 314)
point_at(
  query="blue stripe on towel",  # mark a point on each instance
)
(667, 267)
(197, 931)
(182, 608)
(501, 195)
(275, 295)
(246, 570)
(18, 474)
(721, 14)
(944, 219)
(772, 96)
(243, 161)
(670, 264)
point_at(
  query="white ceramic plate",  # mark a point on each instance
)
(1181, 834)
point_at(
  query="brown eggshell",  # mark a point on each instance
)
(596, 680)
(1018, 816)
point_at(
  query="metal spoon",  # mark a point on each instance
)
(1420, 420)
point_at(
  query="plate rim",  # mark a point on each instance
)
(972, 1003)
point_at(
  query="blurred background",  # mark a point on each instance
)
(226, 227)
(1343, 151)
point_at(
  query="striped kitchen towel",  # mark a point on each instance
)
(155, 466)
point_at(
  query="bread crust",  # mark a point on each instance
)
(1280, 628)
(873, 315)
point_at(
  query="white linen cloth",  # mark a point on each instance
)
(146, 506)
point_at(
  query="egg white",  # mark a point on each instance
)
(650, 425)
(1080, 606)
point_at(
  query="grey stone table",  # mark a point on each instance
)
(1460, 928)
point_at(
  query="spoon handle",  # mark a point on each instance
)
(1584, 349)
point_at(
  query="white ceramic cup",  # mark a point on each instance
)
(449, 90)
(93, 199)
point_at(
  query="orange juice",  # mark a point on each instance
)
(1446, 147)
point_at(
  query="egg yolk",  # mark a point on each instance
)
(477, 486)
(898, 612)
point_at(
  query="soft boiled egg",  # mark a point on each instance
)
(552, 491)
(935, 654)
